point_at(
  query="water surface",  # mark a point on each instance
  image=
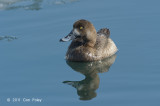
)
(33, 64)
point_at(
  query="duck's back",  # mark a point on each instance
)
(104, 46)
(105, 43)
(102, 39)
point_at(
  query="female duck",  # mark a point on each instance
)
(87, 44)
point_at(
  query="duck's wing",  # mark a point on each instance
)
(102, 39)
(104, 31)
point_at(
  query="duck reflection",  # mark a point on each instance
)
(86, 88)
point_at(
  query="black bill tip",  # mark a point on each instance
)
(61, 40)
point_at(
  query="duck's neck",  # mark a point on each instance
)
(92, 41)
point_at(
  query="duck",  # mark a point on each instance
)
(87, 44)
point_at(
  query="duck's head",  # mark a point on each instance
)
(82, 29)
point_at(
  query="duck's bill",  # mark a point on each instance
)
(69, 37)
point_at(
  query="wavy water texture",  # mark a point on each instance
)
(8, 38)
(34, 66)
(30, 4)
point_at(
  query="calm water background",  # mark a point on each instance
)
(33, 65)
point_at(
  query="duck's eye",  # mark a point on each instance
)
(81, 27)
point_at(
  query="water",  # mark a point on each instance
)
(32, 63)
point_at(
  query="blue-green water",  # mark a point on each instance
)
(32, 63)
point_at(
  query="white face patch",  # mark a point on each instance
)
(76, 32)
